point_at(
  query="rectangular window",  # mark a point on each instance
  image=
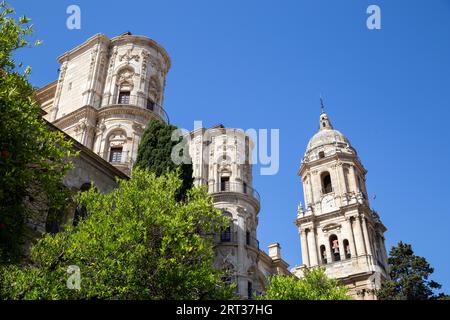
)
(225, 184)
(225, 235)
(115, 155)
(124, 97)
(247, 238)
(150, 105)
(250, 290)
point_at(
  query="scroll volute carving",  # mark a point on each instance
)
(154, 91)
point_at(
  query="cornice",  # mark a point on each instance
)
(99, 37)
(147, 41)
(75, 116)
(336, 156)
(226, 196)
(102, 38)
(121, 109)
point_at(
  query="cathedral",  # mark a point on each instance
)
(109, 89)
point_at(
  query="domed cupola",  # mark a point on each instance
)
(327, 141)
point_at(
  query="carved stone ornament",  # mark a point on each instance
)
(128, 56)
(117, 139)
(126, 77)
(154, 89)
(330, 227)
(62, 72)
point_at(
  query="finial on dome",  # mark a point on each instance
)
(322, 105)
(324, 121)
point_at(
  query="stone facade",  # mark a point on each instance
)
(337, 227)
(107, 92)
(88, 168)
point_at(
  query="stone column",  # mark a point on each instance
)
(317, 187)
(328, 251)
(355, 176)
(351, 237)
(306, 191)
(312, 247)
(343, 186)
(216, 186)
(99, 136)
(241, 253)
(311, 191)
(341, 247)
(351, 179)
(342, 178)
(383, 249)
(304, 243)
(367, 240)
(138, 131)
(361, 250)
(336, 180)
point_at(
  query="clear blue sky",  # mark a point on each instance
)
(263, 64)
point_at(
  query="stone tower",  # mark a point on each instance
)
(222, 162)
(338, 228)
(107, 91)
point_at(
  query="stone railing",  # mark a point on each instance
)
(131, 100)
(237, 187)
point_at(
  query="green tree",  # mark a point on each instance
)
(155, 153)
(32, 157)
(137, 242)
(314, 285)
(409, 276)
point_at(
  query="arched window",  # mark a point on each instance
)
(326, 183)
(348, 254)
(334, 245)
(228, 273)
(226, 233)
(250, 290)
(125, 85)
(323, 254)
(115, 148)
(321, 154)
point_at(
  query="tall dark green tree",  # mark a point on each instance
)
(156, 150)
(33, 159)
(409, 276)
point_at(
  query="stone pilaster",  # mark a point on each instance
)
(304, 244)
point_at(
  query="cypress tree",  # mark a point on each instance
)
(155, 150)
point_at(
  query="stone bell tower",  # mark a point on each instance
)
(338, 228)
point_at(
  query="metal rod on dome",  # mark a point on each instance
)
(322, 105)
